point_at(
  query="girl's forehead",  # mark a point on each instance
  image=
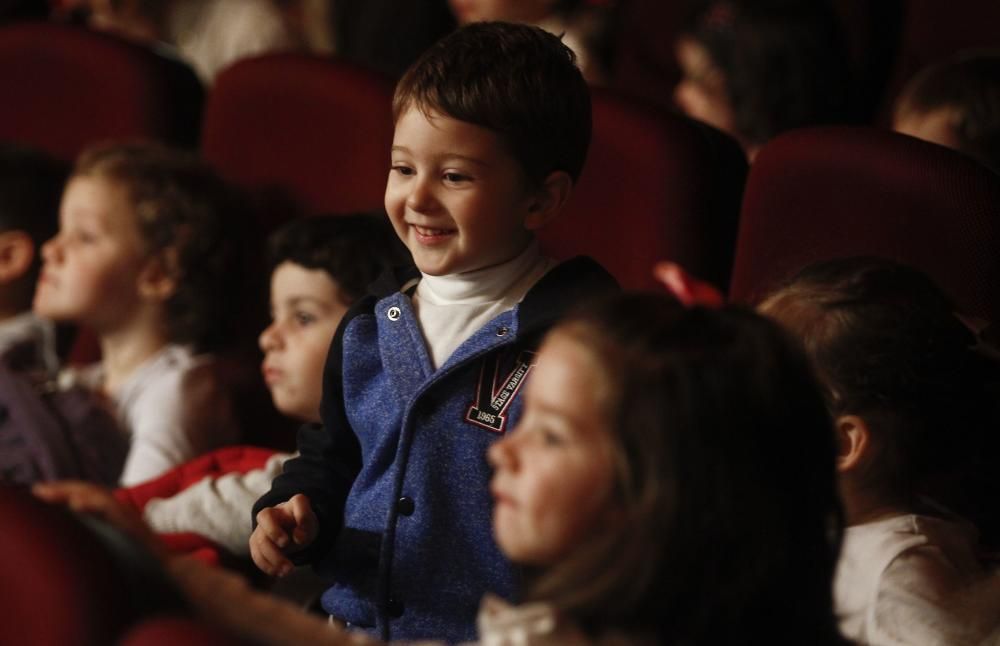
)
(569, 379)
(99, 198)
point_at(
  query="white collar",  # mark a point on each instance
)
(482, 285)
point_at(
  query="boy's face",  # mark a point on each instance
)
(91, 268)
(306, 308)
(456, 197)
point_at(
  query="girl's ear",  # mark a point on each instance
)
(548, 200)
(158, 279)
(853, 442)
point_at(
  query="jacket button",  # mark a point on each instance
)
(393, 313)
(502, 331)
(405, 506)
(395, 608)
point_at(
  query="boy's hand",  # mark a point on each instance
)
(282, 529)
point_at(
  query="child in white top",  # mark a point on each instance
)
(142, 256)
(909, 396)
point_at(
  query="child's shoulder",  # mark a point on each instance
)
(566, 284)
(583, 270)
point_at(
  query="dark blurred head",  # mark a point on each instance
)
(956, 103)
(756, 68)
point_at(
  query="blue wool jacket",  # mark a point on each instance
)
(397, 472)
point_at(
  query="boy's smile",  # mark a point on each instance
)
(455, 196)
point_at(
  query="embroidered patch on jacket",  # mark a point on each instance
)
(489, 408)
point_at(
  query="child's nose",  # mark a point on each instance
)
(270, 338)
(421, 198)
(501, 454)
(49, 249)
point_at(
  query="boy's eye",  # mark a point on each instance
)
(456, 178)
(402, 169)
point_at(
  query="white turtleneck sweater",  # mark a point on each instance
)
(451, 308)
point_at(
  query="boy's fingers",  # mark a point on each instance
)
(306, 524)
(268, 557)
(274, 524)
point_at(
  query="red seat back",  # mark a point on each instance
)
(66, 87)
(655, 186)
(644, 63)
(171, 631)
(61, 585)
(820, 193)
(316, 129)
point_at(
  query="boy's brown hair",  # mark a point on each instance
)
(519, 81)
(186, 215)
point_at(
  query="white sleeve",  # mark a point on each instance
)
(925, 600)
(217, 508)
(158, 438)
(178, 415)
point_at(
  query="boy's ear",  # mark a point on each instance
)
(548, 200)
(853, 442)
(158, 279)
(17, 252)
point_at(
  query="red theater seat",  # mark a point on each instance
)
(63, 581)
(315, 129)
(644, 63)
(172, 631)
(820, 193)
(65, 87)
(655, 186)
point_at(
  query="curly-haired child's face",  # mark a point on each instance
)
(306, 309)
(455, 196)
(554, 473)
(91, 269)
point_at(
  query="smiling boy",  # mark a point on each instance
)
(390, 497)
